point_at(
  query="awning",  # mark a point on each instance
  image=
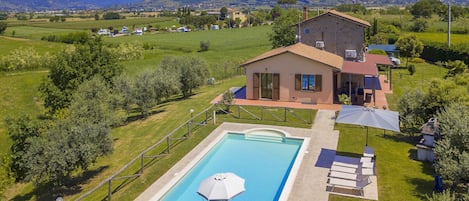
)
(368, 67)
(360, 68)
(378, 59)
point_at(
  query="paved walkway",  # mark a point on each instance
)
(311, 176)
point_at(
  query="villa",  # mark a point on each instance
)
(330, 59)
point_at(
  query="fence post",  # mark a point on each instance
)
(206, 117)
(168, 143)
(109, 193)
(262, 113)
(310, 116)
(285, 114)
(143, 163)
(214, 117)
(239, 112)
(188, 129)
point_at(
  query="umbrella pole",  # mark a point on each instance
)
(366, 136)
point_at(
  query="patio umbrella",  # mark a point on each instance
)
(385, 119)
(221, 186)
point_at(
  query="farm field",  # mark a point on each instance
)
(442, 37)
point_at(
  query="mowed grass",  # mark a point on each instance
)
(443, 37)
(228, 47)
(20, 96)
(400, 176)
(9, 44)
(36, 33)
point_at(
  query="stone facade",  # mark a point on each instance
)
(337, 32)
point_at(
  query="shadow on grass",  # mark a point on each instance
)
(397, 137)
(71, 186)
(422, 187)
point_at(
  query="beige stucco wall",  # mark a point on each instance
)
(338, 34)
(287, 65)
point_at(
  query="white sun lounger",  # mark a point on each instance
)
(338, 168)
(368, 165)
(349, 184)
(346, 161)
(349, 176)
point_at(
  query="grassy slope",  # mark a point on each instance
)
(131, 139)
(19, 96)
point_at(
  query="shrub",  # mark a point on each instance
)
(377, 51)
(344, 99)
(411, 69)
(227, 100)
(204, 45)
(418, 60)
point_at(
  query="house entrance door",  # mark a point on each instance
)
(266, 85)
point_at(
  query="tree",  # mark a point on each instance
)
(286, 2)
(20, 130)
(111, 16)
(425, 8)
(227, 100)
(151, 86)
(124, 87)
(70, 68)
(76, 141)
(3, 27)
(452, 152)
(223, 13)
(409, 46)
(420, 25)
(412, 109)
(283, 33)
(192, 72)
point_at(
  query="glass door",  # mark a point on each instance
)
(266, 85)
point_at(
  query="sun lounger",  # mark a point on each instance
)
(369, 152)
(338, 168)
(349, 176)
(365, 160)
(346, 161)
(367, 171)
(349, 184)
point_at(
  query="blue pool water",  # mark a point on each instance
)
(265, 166)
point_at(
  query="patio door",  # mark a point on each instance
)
(270, 85)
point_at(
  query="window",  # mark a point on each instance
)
(306, 82)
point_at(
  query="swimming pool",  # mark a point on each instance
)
(264, 158)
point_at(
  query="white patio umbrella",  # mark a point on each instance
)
(221, 186)
(377, 118)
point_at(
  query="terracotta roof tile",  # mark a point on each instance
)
(303, 50)
(343, 15)
(378, 59)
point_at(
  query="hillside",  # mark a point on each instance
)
(41, 5)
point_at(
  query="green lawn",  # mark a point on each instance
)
(442, 37)
(42, 47)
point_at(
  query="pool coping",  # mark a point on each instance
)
(174, 174)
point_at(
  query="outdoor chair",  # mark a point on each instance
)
(348, 184)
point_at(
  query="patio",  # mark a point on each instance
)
(379, 102)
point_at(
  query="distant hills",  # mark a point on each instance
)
(42, 5)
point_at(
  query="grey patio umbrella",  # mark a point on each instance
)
(221, 186)
(377, 118)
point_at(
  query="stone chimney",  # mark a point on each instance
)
(305, 13)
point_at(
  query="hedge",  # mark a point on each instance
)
(435, 51)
